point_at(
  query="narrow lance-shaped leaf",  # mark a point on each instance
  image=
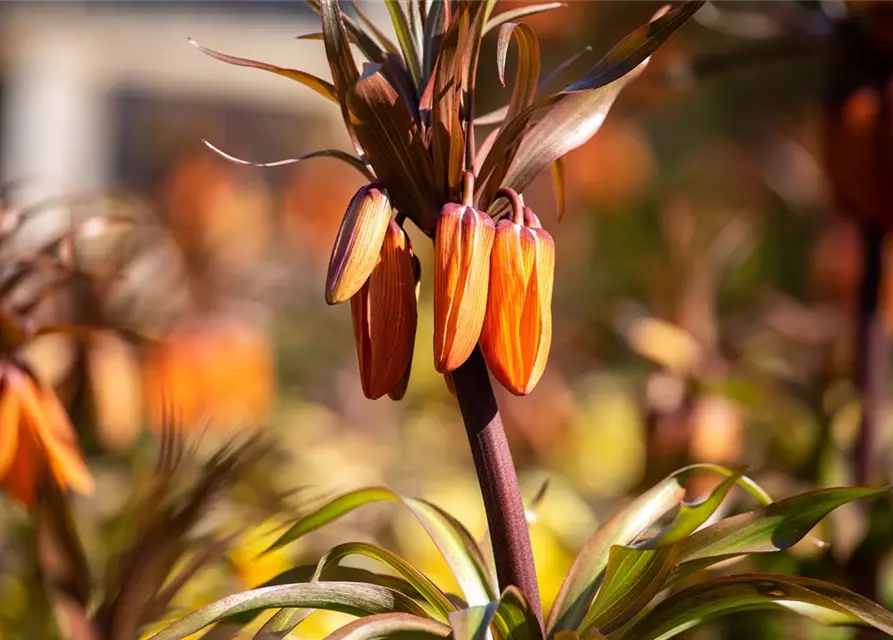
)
(393, 144)
(379, 35)
(694, 605)
(350, 160)
(623, 528)
(472, 623)
(774, 527)
(513, 618)
(691, 516)
(355, 34)
(452, 539)
(341, 61)
(287, 619)
(558, 187)
(528, 73)
(322, 87)
(353, 598)
(404, 36)
(521, 12)
(633, 578)
(391, 625)
(568, 119)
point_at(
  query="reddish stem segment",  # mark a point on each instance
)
(498, 480)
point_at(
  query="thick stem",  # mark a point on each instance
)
(499, 483)
(871, 360)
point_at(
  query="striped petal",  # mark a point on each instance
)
(517, 332)
(385, 316)
(358, 243)
(462, 261)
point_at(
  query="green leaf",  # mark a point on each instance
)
(632, 579)
(355, 34)
(774, 527)
(391, 626)
(521, 12)
(427, 589)
(405, 38)
(691, 516)
(452, 539)
(513, 619)
(287, 619)
(346, 597)
(320, 86)
(340, 58)
(472, 623)
(584, 577)
(391, 140)
(435, 27)
(379, 35)
(694, 605)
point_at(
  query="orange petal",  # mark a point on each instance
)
(63, 454)
(54, 438)
(385, 317)
(9, 426)
(358, 243)
(517, 332)
(462, 262)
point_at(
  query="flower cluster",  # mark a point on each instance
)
(410, 115)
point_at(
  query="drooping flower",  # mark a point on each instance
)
(410, 116)
(220, 371)
(37, 440)
(517, 331)
(385, 317)
(461, 265)
(358, 243)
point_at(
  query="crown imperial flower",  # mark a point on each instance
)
(36, 438)
(462, 262)
(517, 332)
(385, 317)
(358, 243)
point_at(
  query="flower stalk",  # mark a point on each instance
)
(495, 468)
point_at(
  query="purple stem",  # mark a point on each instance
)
(498, 480)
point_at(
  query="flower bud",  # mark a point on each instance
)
(461, 264)
(399, 391)
(517, 329)
(358, 243)
(385, 316)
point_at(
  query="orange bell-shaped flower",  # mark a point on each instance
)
(517, 331)
(385, 317)
(219, 370)
(358, 243)
(461, 264)
(36, 438)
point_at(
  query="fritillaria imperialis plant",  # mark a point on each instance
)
(410, 115)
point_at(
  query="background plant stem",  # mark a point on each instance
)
(871, 360)
(498, 480)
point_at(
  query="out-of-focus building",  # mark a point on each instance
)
(96, 94)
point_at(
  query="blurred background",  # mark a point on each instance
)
(704, 298)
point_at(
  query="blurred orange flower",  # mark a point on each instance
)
(218, 370)
(36, 438)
